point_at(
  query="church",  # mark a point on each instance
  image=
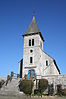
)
(36, 63)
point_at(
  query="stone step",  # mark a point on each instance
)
(10, 93)
(11, 88)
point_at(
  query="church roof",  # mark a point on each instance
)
(33, 28)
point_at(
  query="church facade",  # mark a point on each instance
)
(36, 62)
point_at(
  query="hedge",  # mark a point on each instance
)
(42, 85)
(26, 86)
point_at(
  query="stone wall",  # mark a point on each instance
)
(56, 79)
(3, 78)
(11, 88)
(53, 79)
(35, 54)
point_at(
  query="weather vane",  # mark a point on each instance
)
(34, 12)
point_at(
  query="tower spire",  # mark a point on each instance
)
(33, 28)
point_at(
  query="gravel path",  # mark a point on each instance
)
(33, 97)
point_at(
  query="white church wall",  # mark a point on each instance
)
(51, 68)
(55, 69)
(43, 58)
(35, 54)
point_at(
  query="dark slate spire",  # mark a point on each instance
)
(33, 28)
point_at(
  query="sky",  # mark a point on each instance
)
(15, 17)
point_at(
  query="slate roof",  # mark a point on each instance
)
(33, 28)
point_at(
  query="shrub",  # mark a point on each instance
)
(1, 83)
(42, 85)
(36, 91)
(26, 86)
(50, 89)
(59, 89)
(64, 92)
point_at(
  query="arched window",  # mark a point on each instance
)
(46, 63)
(29, 42)
(31, 74)
(32, 42)
(31, 59)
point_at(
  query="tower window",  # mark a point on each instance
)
(31, 59)
(29, 42)
(32, 42)
(46, 63)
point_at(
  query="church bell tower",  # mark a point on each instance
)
(33, 42)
